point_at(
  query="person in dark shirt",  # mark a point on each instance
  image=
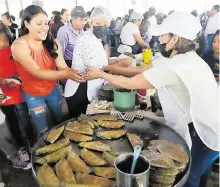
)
(6, 19)
(212, 57)
(59, 21)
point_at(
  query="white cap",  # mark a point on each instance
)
(136, 16)
(100, 12)
(182, 24)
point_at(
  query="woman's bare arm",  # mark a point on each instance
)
(136, 82)
(21, 54)
(126, 71)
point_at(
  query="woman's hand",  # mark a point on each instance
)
(93, 73)
(73, 75)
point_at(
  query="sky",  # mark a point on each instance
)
(116, 7)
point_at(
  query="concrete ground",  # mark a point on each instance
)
(15, 177)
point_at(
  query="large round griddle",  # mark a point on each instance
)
(148, 129)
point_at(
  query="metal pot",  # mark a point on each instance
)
(124, 100)
(123, 166)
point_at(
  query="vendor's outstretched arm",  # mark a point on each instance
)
(126, 71)
(136, 82)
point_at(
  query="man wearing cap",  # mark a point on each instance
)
(68, 33)
(130, 34)
(186, 86)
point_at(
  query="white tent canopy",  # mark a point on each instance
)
(117, 7)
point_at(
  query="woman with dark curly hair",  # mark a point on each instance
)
(40, 64)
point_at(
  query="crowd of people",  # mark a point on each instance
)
(41, 59)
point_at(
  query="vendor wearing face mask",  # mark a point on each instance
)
(88, 52)
(186, 86)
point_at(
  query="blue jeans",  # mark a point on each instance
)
(209, 41)
(202, 159)
(37, 106)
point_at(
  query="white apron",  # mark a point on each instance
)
(204, 99)
(174, 116)
(80, 63)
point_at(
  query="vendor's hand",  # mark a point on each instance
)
(93, 73)
(74, 75)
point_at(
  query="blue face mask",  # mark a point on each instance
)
(102, 33)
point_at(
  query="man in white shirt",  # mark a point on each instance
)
(213, 25)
